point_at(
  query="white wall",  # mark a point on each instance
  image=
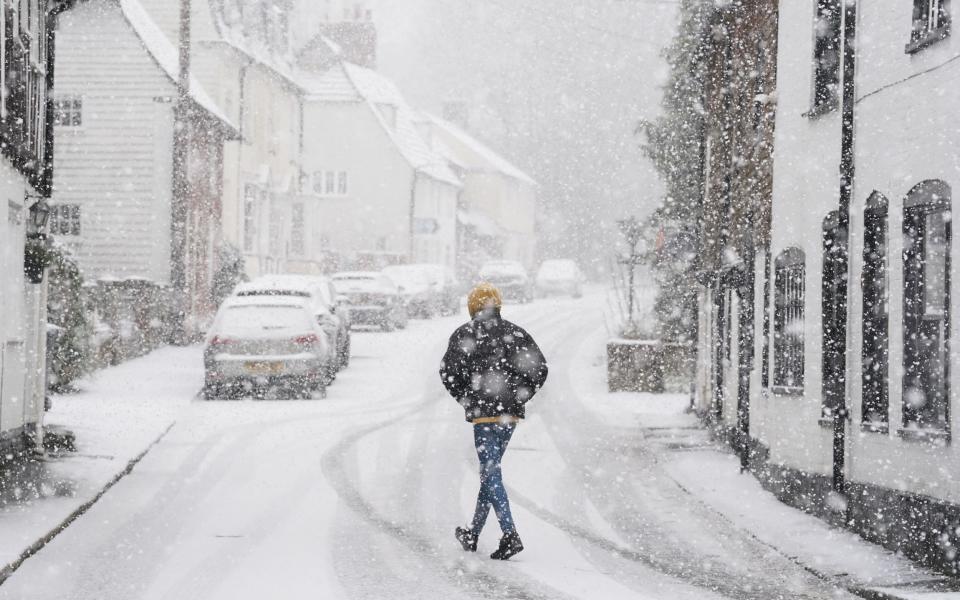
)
(806, 188)
(14, 313)
(117, 165)
(906, 133)
(376, 210)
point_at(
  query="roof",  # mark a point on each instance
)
(249, 48)
(167, 56)
(486, 159)
(347, 82)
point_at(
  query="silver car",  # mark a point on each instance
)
(258, 343)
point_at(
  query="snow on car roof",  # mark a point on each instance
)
(356, 275)
(266, 301)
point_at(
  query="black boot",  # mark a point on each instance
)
(467, 539)
(510, 544)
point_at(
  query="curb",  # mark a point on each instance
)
(8, 570)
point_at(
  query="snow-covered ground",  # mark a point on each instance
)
(356, 495)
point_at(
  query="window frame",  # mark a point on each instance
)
(923, 32)
(74, 112)
(790, 264)
(925, 199)
(825, 91)
(65, 220)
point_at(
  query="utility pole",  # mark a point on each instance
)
(847, 178)
(179, 201)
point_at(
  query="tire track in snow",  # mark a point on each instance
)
(475, 580)
(468, 577)
(667, 555)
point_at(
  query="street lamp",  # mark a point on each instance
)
(36, 256)
(39, 214)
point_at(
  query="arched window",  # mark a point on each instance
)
(926, 307)
(789, 291)
(875, 351)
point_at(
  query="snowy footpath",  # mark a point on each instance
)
(357, 495)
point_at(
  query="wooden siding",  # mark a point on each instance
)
(117, 165)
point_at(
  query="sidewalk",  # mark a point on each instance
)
(710, 472)
(117, 415)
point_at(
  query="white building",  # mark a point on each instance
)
(115, 190)
(25, 174)
(241, 53)
(498, 206)
(896, 460)
(382, 195)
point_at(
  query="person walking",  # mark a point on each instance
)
(492, 367)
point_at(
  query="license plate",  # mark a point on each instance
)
(264, 367)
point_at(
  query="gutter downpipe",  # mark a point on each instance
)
(413, 206)
(847, 180)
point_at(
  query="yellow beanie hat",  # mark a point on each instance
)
(484, 295)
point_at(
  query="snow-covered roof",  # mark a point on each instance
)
(253, 50)
(167, 56)
(486, 158)
(347, 82)
(333, 85)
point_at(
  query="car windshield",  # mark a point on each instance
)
(263, 320)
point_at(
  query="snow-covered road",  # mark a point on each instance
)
(356, 496)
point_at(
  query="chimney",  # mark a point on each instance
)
(456, 112)
(355, 34)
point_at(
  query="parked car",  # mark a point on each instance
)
(560, 276)
(445, 289)
(510, 277)
(321, 297)
(415, 288)
(259, 342)
(373, 299)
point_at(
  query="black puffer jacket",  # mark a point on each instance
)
(492, 367)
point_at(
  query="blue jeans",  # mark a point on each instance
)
(491, 440)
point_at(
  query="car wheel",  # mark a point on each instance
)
(211, 391)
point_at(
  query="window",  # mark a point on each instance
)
(23, 107)
(331, 183)
(789, 286)
(826, 57)
(249, 217)
(926, 307)
(64, 219)
(875, 350)
(296, 230)
(68, 111)
(931, 23)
